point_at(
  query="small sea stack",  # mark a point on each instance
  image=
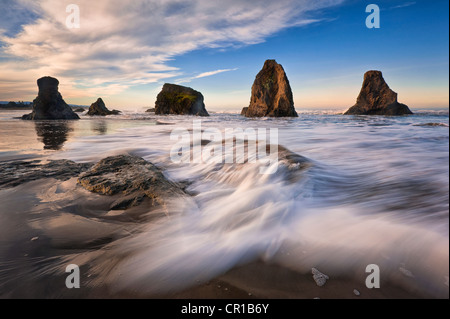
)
(376, 98)
(49, 104)
(181, 100)
(271, 93)
(99, 109)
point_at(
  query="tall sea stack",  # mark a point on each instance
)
(376, 98)
(49, 104)
(271, 93)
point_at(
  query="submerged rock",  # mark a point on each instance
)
(131, 177)
(79, 110)
(181, 100)
(16, 173)
(319, 278)
(271, 93)
(99, 108)
(376, 98)
(49, 104)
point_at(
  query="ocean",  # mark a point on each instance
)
(375, 190)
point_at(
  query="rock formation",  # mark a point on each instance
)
(79, 110)
(376, 98)
(131, 177)
(271, 93)
(49, 104)
(177, 99)
(99, 108)
(13, 174)
(153, 110)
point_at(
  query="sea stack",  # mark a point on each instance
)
(181, 100)
(49, 104)
(271, 93)
(99, 108)
(376, 98)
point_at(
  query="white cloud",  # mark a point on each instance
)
(204, 75)
(404, 5)
(126, 43)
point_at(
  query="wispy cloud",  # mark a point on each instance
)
(404, 5)
(204, 75)
(121, 44)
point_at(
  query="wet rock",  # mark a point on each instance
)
(131, 177)
(153, 110)
(16, 173)
(181, 100)
(376, 98)
(271, 93)
(319, 278)
(99, 108)
(49, 104)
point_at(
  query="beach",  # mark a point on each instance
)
(349, 191)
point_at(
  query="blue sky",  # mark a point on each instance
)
(124, 53)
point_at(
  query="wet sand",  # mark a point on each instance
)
(47, 223)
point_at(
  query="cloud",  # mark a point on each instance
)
(204, 75)
(404, 5)
(125, 43)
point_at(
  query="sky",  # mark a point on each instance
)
(124, 51)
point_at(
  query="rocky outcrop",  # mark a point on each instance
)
(99, 108)
(133, 178)
(244, 111)
(271, 93)
(79, 110)
(49, 104)
(13, 174)
(376, 98)
(181, 100)
(153, 110)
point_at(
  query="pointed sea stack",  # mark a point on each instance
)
(271, 93)
(99, 108)
(49, 104)
(181, 100)
(376, 98)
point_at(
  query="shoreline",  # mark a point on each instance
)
(61, 234)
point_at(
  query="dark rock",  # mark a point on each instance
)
(153, 110)
(49, 104)
(133, 178)
(79, 110)
(99, 108)
(244, 111)
(16, 173)
(271, 93)
(181, 100)
(376, 98)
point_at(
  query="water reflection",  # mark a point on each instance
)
(101, 127)
(53, 133)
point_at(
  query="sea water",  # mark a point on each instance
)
(375, 191)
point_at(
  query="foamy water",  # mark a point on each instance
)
(374, 191)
